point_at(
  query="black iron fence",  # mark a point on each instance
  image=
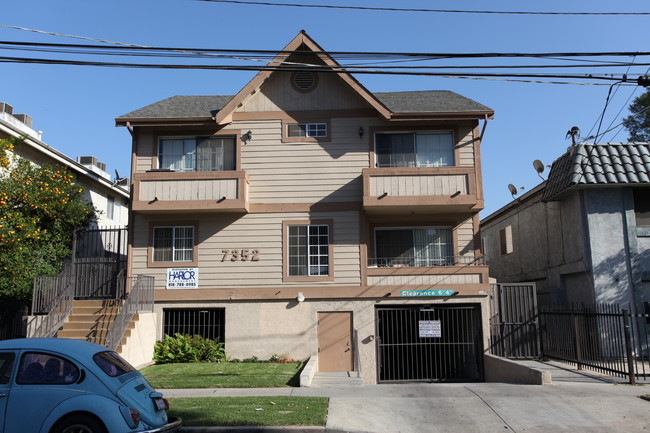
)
(12, 316)
(602, 337)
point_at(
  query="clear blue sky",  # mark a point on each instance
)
(75, 106)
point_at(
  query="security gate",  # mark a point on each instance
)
(429, 343)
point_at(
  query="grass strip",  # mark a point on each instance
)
(223, 375)
(250, 411)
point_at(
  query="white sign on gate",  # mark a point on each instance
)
(430, 329)
(182, 278)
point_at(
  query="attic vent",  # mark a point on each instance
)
(304, 81)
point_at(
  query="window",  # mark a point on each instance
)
(110, 208)
(505, 239)
(308, 250)
(173, 244)
(6, 364)
(216, 153)
(421, 246)
(415, 149)
(642, 207)
(307, 130)
(112, 364)
(41, 368)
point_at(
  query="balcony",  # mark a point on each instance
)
(165, 191)
(466, 275)
(403, 190)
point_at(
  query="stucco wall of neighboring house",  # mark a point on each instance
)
(608, 243)
(289, 329)
(547, 243)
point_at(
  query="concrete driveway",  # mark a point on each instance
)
(573, 403)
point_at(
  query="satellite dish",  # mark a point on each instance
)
(513, 190)
(539, 168)
(118, 180)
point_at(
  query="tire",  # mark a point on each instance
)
(80, 423)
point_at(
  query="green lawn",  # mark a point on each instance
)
(223, 375)
(250, 411)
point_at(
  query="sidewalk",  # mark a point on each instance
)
(573, 403)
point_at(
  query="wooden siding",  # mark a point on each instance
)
(261, 232)
(197, 189)
(144, 152)
(421, 185)
(277, 94)
(424, 280)
(304, 172)
(465, 236)
(466, 146)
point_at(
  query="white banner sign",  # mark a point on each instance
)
(182, 278)
(430, 329)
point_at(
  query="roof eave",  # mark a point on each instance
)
(164, 121)
(442, 115)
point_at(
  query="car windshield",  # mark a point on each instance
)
(112, 364)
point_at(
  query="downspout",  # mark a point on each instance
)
(129, 248)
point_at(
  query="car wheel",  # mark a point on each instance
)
(79, 424)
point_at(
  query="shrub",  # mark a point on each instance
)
(185, 348)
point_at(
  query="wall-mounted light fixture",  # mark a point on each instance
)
(385, 194)
(247, 136)
(360, 132)
(300, 297)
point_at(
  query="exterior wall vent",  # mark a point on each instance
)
(304, 81)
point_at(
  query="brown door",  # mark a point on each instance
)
(335, 341)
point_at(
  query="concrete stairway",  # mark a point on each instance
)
(337, 379)
(91, 320)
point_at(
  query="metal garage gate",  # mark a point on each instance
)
(429, 343)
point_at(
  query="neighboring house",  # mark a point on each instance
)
(583, 235)
(111, 200)
(306, 216)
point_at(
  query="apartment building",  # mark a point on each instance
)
(307, 217)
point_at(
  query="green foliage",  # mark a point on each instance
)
(638, 124)
(40, 207)
(185, 348)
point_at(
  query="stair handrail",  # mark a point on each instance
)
(139, 298)
(60, 291)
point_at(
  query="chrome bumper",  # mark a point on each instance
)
(173, 425)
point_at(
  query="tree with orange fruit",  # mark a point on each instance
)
(40, 207)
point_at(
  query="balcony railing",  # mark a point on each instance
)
(412, 262)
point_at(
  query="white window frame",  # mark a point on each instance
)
(418, 258)
(177, 251)
(317, 264)
(444, 158)
(187, 160)
(312, 130)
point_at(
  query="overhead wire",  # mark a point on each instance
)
(439, 11)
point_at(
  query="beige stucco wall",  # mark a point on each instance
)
(289, 329)
(138, 349)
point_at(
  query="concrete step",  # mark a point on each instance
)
(336, 379)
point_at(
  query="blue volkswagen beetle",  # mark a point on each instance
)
(56, 385)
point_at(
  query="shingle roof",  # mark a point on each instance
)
(427, 101)
(181, 106)
(599, 164)
(431, 101)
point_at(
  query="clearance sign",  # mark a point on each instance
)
(429, 292)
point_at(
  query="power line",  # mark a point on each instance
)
(439, 11)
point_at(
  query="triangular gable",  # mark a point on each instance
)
(302, 39)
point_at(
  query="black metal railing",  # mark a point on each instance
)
(140, 297)
(602, 337)
(51, 304)
(408, 262)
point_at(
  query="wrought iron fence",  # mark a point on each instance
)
(601, 337)
(514, 321)
(206, 322)
(11, 320)
(396, 262)
(140, 297)
(51, 304)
